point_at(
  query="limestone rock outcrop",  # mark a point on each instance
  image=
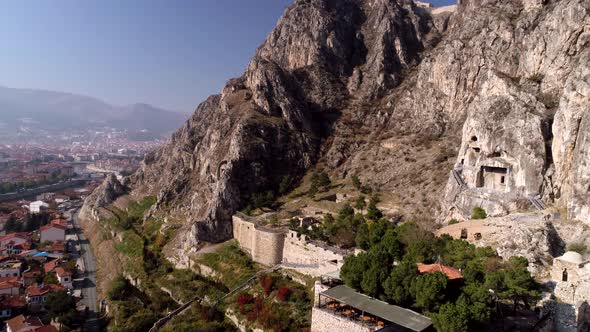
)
(395, 92)
(103, 196)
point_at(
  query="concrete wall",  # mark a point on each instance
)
(324, 321)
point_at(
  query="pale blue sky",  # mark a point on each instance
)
(169, 53)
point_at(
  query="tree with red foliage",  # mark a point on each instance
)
(267, 282)
(283, 294)
(244, 299)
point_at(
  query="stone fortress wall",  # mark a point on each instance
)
(270, 247)
(264, 245)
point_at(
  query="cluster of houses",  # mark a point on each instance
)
(32, 266)
(46, 203)
(13, 171)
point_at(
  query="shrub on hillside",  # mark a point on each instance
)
(478, 213)
(119, 289)
(266, 283)
(283, 294)
(580, 248)
(453, 221)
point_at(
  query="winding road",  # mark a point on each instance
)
(89, 294)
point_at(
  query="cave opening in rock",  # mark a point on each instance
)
(492, 177)
(474, 138)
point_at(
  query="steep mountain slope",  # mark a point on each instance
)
(58, 110)
(391, 91)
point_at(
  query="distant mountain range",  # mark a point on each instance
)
(61, 111)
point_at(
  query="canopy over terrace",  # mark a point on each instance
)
(407, 320)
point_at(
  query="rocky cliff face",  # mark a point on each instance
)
(394, 92)
(102, 197)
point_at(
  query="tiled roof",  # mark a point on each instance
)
(49, 266)
(13, 282)
(54, 224)
(450, 272)
(23, 236)
(42, 289)
(22, 323)
(12, 301)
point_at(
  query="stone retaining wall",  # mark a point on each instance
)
(324, 321)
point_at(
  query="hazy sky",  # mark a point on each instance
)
(169, 53)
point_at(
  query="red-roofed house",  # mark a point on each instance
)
(53, 232)
(451, 273)
(30, 276)
(10, 286)
(36, 293)
(23, 324)
(16, 238)
(12, 248)
(50, 266)
(11, 305)
(56, 248)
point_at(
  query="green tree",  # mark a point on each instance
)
(363, 236)
(520, 285)
(61, 307)
(356, 182)
(50, 278)
(373, 213)
(452, 317)
(421, 251)
(120, 289)
(478, 213)
(398, 286)
(265, 199)
(480, 302)
(429, 291)
(360, 203)
(285, 184)
(313, 190)
(323, 180)
(373, 279)
(140, 321)
(392, 244)
(12, 225)
(352, 270)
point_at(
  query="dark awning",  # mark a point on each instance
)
(397, 315)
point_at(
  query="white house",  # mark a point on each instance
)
(10, 269)
(53, 232)
(64, 277)
(38, 207)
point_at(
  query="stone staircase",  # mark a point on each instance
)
(537, 203)
(459, 179)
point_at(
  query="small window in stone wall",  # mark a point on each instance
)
(502, 179)
(564, 275)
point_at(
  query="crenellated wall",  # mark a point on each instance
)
(309, 257)
(270, 247)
